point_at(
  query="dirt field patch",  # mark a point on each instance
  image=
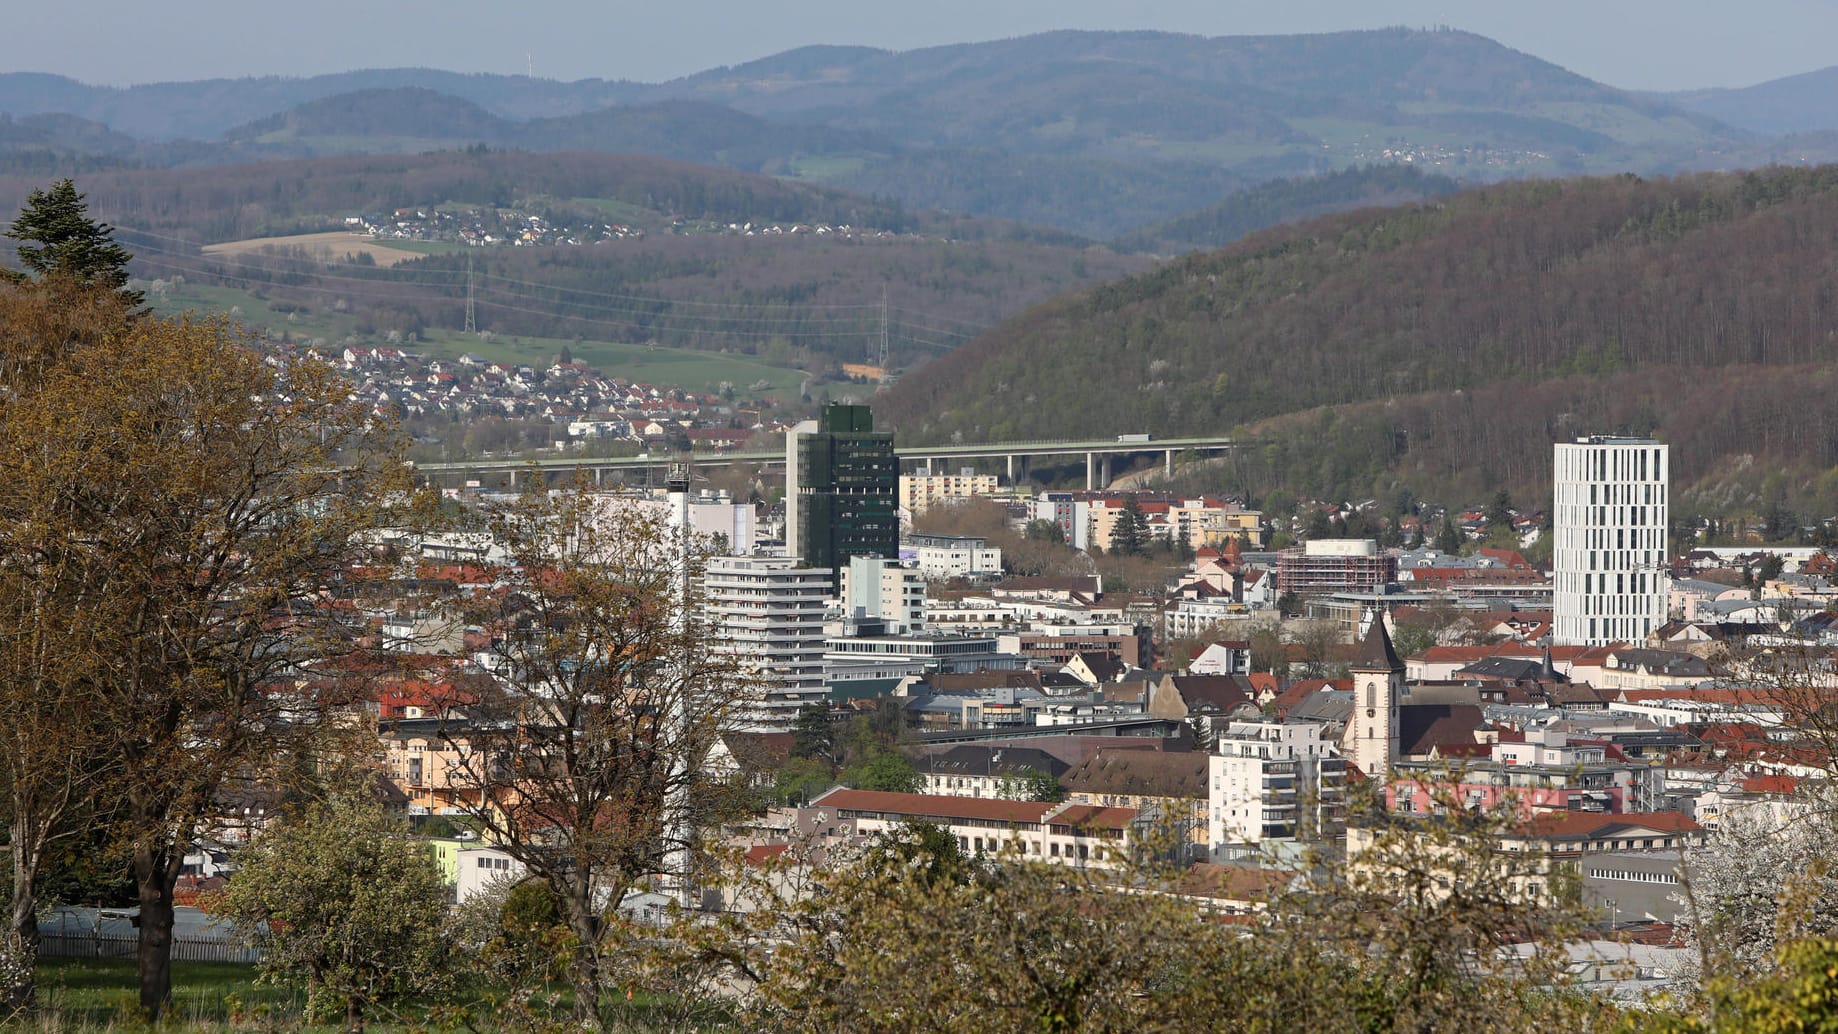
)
(338, 245)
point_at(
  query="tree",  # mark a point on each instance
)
(59, 240)
(1403, 937)
(1448, 537)
(345, 903)
(57, 620)
(1267, 650)
(1129, 536)
(1318, 641)
(1030, 785)
(585, 759)
(1319, 526)
(214, 510)
(209, 510)
(1412, 638)
(1422, 906)
(1203, 734)
(1769, 569)
(1799, 994)
(1500, 516)
(1760, 883)
(814, 735)
(1044, 530)
(887, 771)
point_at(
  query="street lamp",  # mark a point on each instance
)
(1614, 915)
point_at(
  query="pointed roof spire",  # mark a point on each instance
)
(1375, 651)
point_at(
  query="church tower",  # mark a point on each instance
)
(1371, 740)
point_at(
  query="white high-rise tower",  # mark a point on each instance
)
(1609, 557)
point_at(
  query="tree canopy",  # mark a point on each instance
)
(58, 239)
(345, 903)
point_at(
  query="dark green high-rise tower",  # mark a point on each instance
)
(846, 490)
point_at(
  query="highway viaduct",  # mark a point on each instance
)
(1098, 454)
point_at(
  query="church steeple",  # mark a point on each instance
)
(1371, 738)
(1375, 651)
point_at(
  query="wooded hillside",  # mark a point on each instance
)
(1524, 295)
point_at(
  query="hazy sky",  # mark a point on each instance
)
(1638, 44)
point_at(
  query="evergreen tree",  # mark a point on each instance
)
(1319, 526)
(58, 239)
(814, 735)
(1448, 537)
(1500, 519)
(1131, 533)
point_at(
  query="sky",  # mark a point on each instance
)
(1634, 44)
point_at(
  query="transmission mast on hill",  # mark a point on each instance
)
(883, 360)
(472, 324)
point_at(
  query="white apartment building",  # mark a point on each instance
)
(769, 612)
(965, 558)
(1066, 834)
(878, 589)
(1271, 781)
(1609, 555)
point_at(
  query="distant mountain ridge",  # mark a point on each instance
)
(1805, 103)
(1096, 133)
(205, 109)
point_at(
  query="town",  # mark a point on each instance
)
(1237, 725)
(1171, 533)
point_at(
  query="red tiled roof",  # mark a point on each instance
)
(760, 853)
(1086, 816)
(921, 805)
(1233, 882)
(1584, 825)
(1450, 654)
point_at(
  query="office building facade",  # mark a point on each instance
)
(842, 492)
(1609, 516)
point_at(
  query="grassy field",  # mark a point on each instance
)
(666, 367)
(100, 994)
(326, 247)
(616, 211)
(422, 247)
(674, 367)
(826, 167)
(97, 995)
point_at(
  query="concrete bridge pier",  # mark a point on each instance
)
(1011, 468)
(1091, 472)
(1168, 462)
(1104, 472)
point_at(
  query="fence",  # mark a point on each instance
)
(123, 946)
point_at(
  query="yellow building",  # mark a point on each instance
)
(919, 491)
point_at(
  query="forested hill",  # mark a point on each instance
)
(1518, 284)
(272, 198)
(1284, 201)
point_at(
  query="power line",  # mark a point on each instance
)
(472, 324)
(651, 315)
